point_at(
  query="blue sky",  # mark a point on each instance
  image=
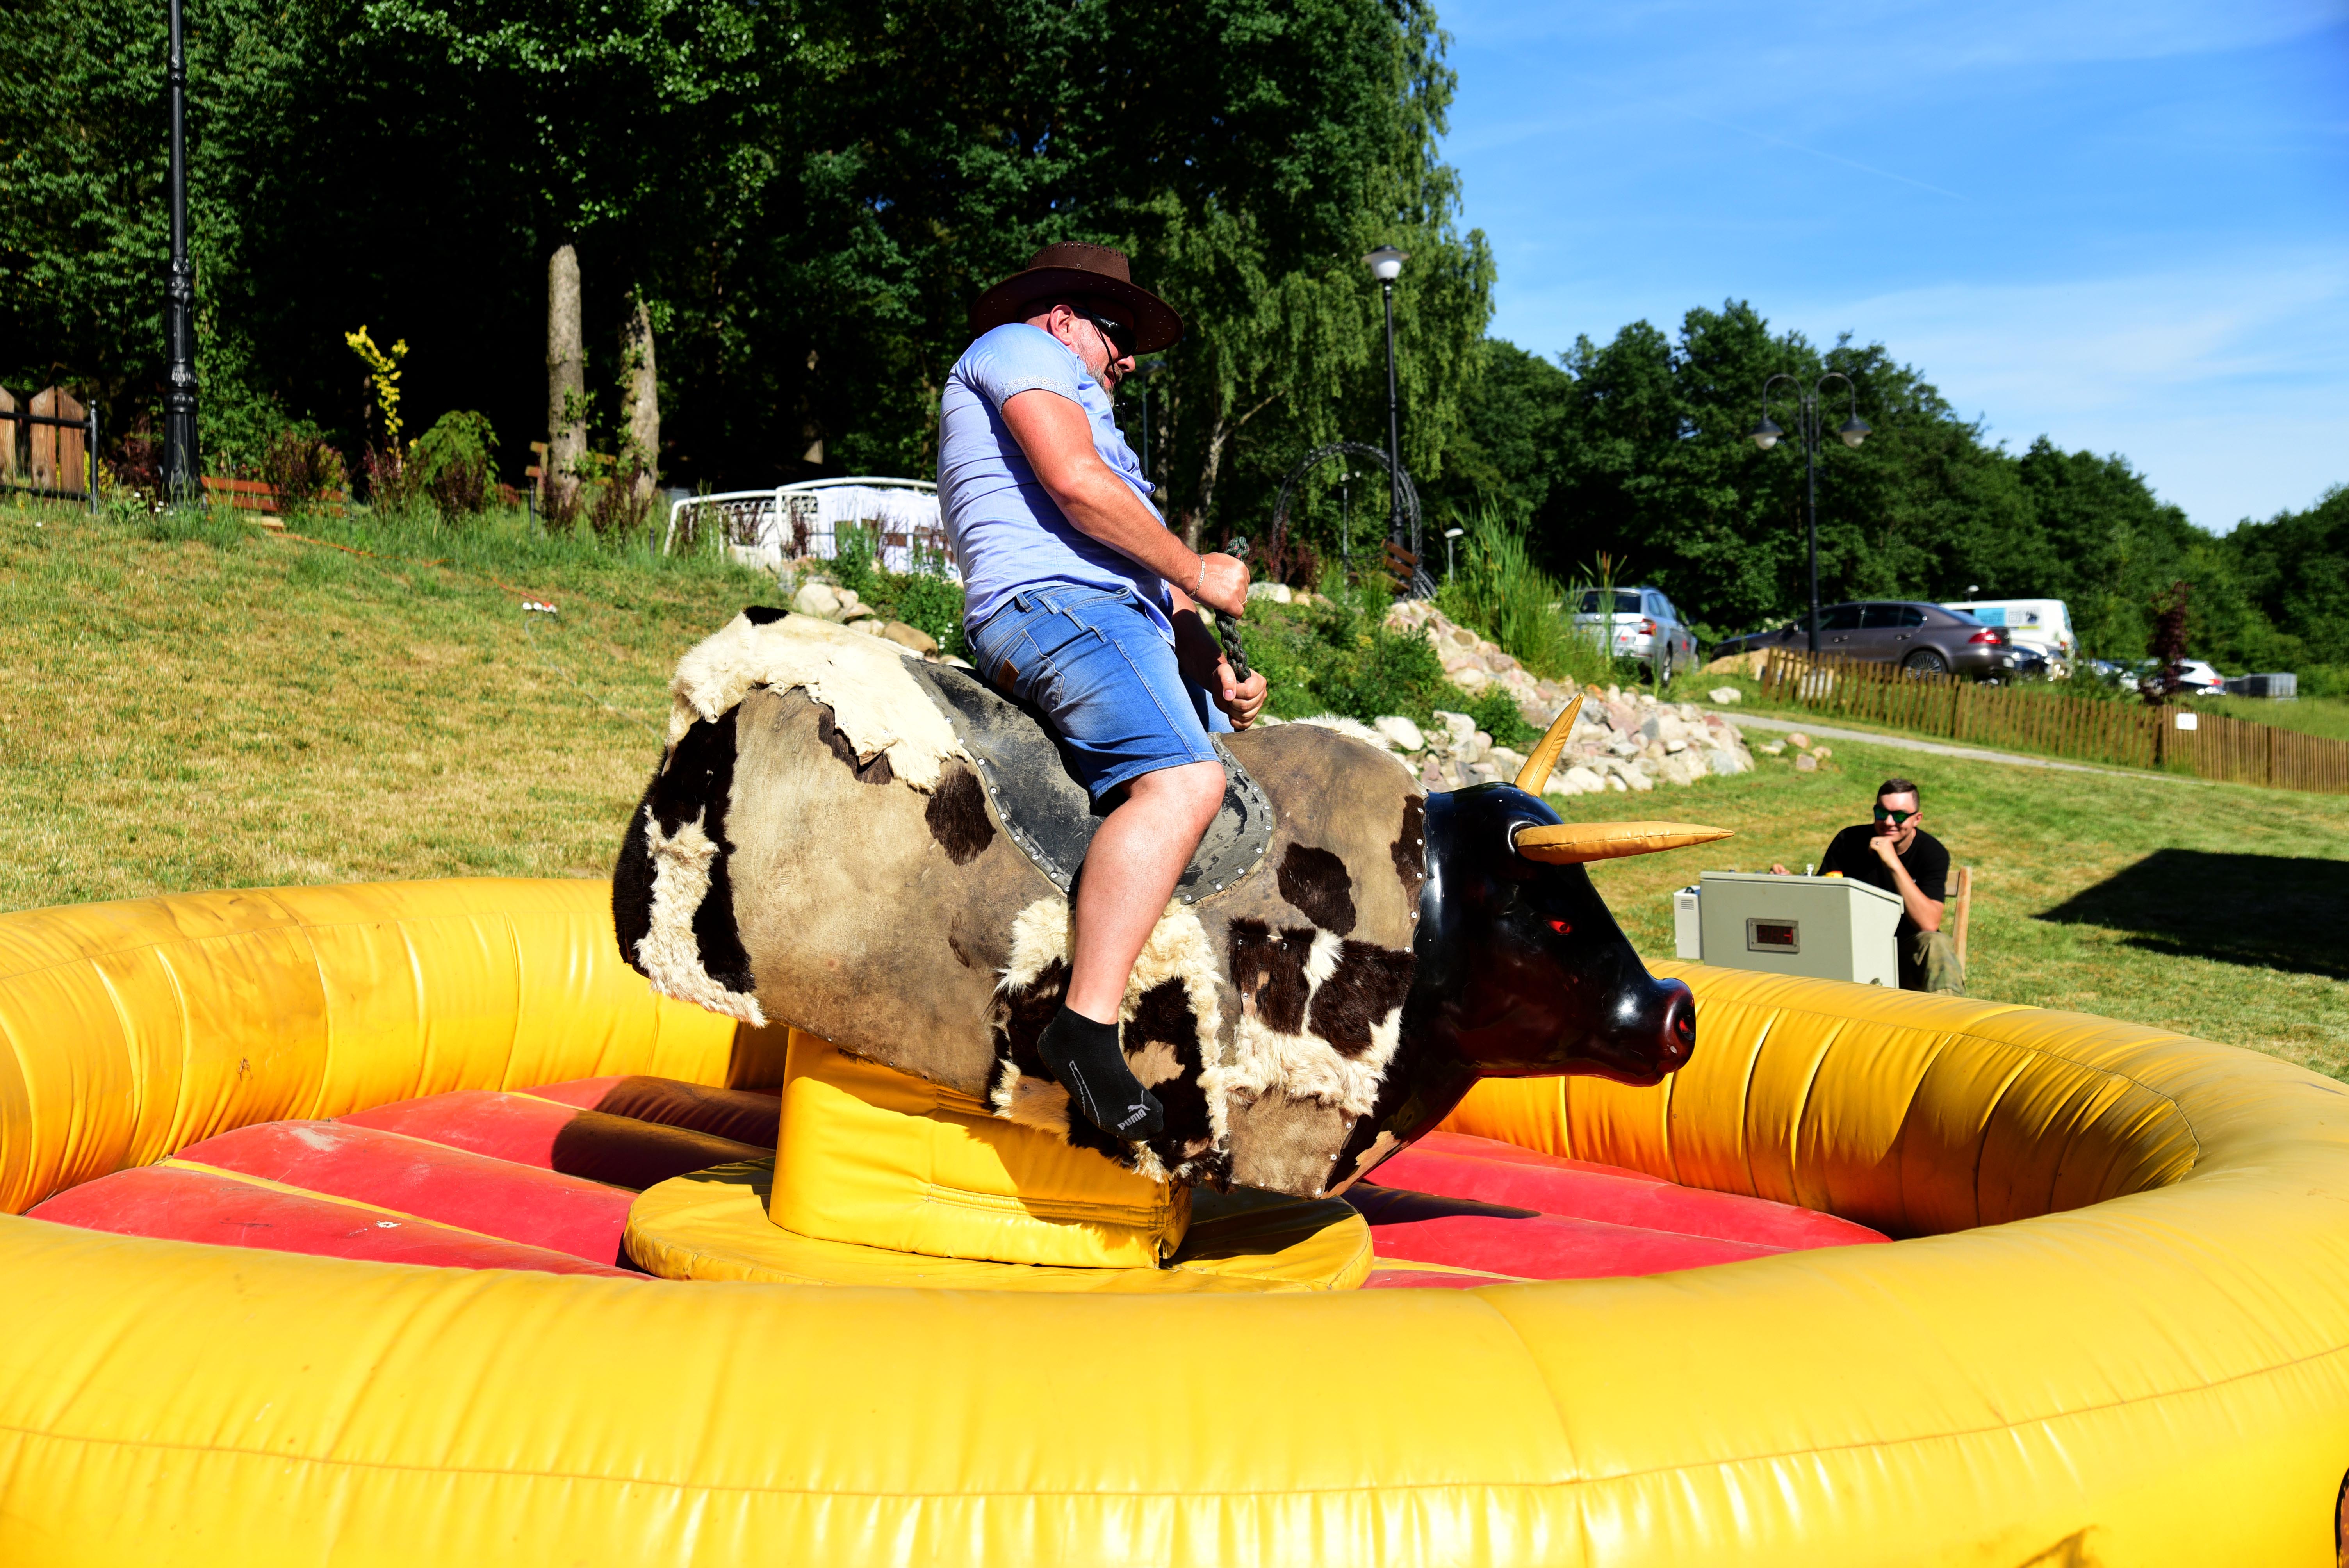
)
(2123, 225)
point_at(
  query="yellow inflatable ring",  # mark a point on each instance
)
(2121, 1334)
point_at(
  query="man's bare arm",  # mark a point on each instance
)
(1925, 912)
(1058, 441)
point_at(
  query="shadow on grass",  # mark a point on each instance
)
(2275, 911)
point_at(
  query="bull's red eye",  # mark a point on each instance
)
(1561, 927)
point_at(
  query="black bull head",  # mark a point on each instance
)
(1521, 969)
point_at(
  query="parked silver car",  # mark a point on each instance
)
(1644, 624)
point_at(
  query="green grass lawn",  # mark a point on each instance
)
(206, 708)
(215, 707)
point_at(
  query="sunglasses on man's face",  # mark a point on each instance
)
(1120, 336)
(1897, 818)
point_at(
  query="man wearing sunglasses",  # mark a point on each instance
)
(1895, 853)
(1080, 601)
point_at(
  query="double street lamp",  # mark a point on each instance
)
(1808, 426)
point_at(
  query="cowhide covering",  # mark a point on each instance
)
(784, 867)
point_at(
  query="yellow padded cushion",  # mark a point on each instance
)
(881, 1158)
(713, 1225)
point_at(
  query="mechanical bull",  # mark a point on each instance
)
(877, 850)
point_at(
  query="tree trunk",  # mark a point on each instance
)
(1217, 434)
(643, 389)
(566, 379)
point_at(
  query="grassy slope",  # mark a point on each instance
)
(221, 710)
(226, 709)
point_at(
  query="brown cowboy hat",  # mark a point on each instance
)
(1093, 272)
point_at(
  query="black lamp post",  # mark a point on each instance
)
(179, 465)
(1386, 265)
(1851, 432)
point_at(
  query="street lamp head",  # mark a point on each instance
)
(1454, 532)
(1853, 431)
(1764, 434)
(1385, 264)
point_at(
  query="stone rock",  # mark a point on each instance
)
(1637, 779)
(1773, 748)
(1725, 696)
(962, 663)
(1578, 780)
(1472, 680)
(1510, 762)
(1727, 763)
(1676, 744)
(1483, 773)
(1615, 782)
(1806, 763)
(818, 598)
(848, 596)
(1279, 593)
(871, 624)
(1822, 752)
(1458, 728)
(1799, 741)
(1401, 731)
(906, 636)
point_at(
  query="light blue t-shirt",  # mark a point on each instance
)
(1005, 530)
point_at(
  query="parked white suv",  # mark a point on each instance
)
(1643, 625)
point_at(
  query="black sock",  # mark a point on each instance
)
(1084, 1057)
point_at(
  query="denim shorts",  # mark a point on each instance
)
(1104, 674)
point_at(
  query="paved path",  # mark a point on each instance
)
(1938, 747)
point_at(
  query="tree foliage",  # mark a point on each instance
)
(1637, 449)
(809, 196)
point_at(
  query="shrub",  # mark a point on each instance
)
(1495, 713)
(302, 468)
(391, 479)
(619, 512)
(926, 598)
(451, 463)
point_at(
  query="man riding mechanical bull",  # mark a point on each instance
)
(1081, 602)
(1085, 890)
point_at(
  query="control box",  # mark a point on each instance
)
(1830, 928)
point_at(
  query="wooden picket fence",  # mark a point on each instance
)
(2117, 734)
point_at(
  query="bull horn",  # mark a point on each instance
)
(1574, 843)
(1533, 777)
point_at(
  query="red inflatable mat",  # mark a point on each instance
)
(554, 1136)
(744, 1115)
(1455, 1212)
(430, 1180)
(178, 1203)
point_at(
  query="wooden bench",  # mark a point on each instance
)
(255, 496)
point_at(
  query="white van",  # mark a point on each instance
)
(2042, 623)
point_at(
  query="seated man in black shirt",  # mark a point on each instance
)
(1898, 855)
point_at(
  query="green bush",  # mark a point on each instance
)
(451, 463)
(1495, 713)
(925, 599)
(1338, 655)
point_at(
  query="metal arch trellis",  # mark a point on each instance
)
(1404, 526)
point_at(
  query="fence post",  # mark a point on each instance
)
(92, 457)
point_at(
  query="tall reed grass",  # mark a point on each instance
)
(1495, 588)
